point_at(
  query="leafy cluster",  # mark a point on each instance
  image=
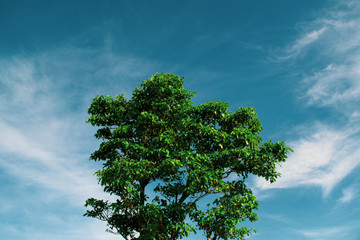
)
(160, 142)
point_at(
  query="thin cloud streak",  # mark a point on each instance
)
(325, 233)
(277, 218)
(300, 44)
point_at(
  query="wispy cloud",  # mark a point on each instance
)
(349, 194)
(35, 142)
(300, 44)
(334, 33)
(89, 230)
(45, 143)
(28, 160)
(336, 86)
(323, 158)
(326, 152)
(339, 82)
(337, 231)
(277, 218)
(44, 100)
(335, 38)
(325, 233)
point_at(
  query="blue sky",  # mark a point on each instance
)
(296, 62)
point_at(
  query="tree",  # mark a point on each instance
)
(159, 144)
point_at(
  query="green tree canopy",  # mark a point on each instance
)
(160, 144)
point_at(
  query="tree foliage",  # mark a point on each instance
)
(162, 154)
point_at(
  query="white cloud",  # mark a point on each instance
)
(300, 44)
(326, 233)
(323, 159)
(45, 143)
(83, 229)
(349, 194)
(336, 86)
(324, 154)
(36, 143)
(334, 34)
(41, 95)
(44, 138)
